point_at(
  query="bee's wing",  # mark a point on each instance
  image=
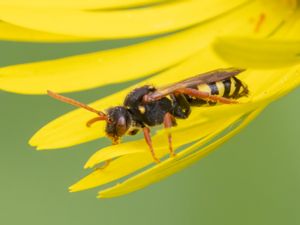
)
(211, 76)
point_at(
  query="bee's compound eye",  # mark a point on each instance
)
(121, 126)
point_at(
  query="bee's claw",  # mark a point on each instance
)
(156, 160)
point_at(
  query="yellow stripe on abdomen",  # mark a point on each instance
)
(215, 88)
(220, 87)
(204, 88)
(232, 87)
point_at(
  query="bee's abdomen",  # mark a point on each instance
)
(228, 88)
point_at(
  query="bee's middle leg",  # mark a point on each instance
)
(148, 140)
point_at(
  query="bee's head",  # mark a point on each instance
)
(118, 122)
(118, 119)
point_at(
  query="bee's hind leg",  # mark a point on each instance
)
(168, 122)
(205, 95)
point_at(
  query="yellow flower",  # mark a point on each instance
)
(260, 35)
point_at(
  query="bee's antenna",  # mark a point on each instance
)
(76, 103)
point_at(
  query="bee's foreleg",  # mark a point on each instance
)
(147, 137)
(205, 95)
(168, 122)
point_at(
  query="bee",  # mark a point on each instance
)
(147, 106)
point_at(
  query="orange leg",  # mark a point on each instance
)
(168, 124)
(147, 136)
(205, 95)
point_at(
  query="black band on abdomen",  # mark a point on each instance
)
(227, 87)
(238, 85)
(213, 88)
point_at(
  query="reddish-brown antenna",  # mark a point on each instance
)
(73, 102)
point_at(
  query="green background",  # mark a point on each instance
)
(252, 179)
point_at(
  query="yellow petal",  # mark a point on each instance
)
(159, 140)
(289, 29)
(157, 19)
(212, 120)
(258, 53)
(218, 118)
(283, 85)
(133, 162)
(15, 33)
(70, 129)
(101, 68)
(170, 166)
(118, 65)
(71, 4)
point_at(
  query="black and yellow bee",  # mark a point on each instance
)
(148, 106)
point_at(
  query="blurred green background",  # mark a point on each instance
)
(253, 179)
